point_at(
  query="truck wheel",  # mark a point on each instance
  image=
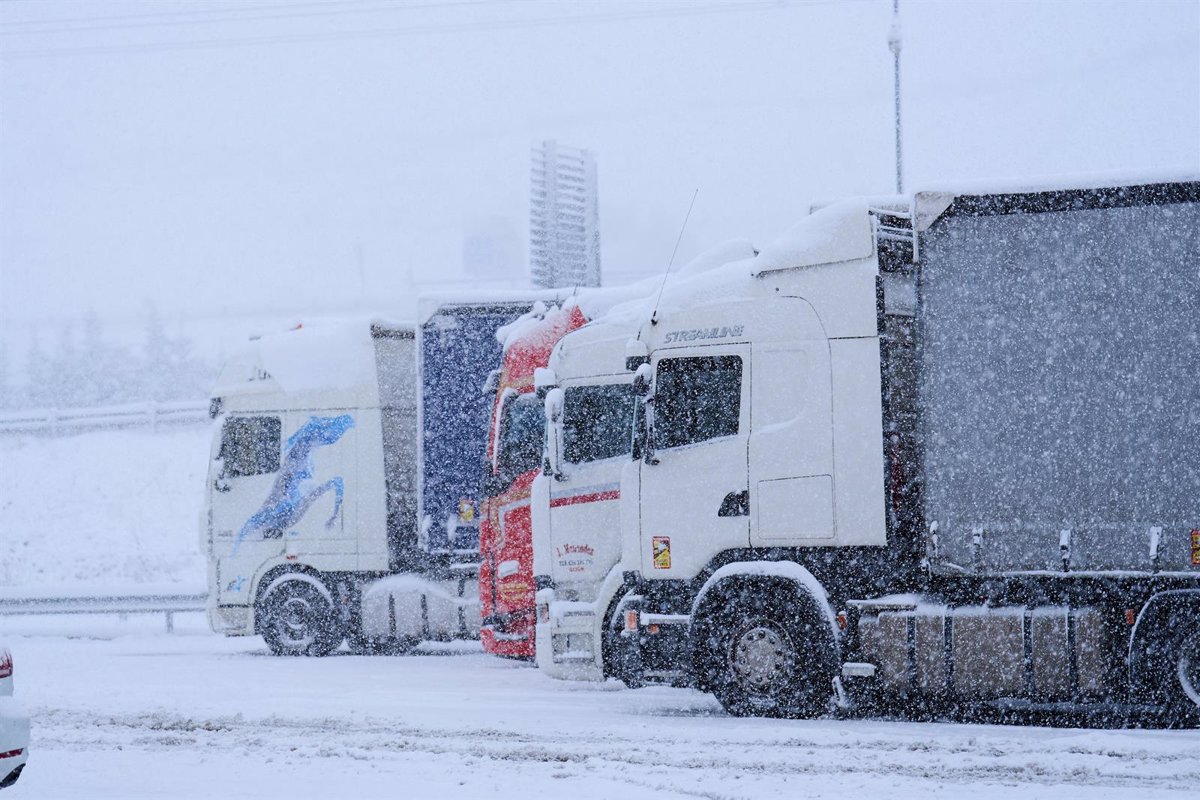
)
(299, 617)
(770, 659)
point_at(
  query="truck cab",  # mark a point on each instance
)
(295, 501)
(576, 511)
(514, 453)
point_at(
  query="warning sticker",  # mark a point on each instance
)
(1196, 548)
(662, 552)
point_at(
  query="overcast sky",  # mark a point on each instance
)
(295, 157)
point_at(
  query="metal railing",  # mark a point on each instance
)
(59, 420)
(168, 604)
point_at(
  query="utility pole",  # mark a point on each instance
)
(894, 45)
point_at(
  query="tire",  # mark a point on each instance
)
(771, 657)
(298, 617)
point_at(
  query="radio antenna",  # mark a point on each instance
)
(657, 300)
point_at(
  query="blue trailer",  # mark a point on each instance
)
(458, 351)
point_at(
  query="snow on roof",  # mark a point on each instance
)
(430, 304)
(596, 301)
(337, 356)
(840, 232)
(1064, 182)
(532, 322)
(549, 320)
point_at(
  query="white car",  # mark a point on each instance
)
(14, 726)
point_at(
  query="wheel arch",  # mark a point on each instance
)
(790, 579)
(1162, 620)
(612, 594)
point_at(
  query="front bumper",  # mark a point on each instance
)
(654, 648)
(231, 620)
(569, 641)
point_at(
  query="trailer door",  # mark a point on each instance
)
(694, 484)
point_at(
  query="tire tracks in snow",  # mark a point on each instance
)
(687, 763)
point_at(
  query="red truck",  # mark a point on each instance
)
(514, 458)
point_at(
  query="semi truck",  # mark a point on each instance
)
(587, 393)
(514, 457)
(345, 481)
(514, 461)
(922, 453)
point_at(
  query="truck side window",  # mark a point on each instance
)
(697, 399)
(250, 445)
(598, 422)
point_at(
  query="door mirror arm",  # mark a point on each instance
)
(647, 431)
(221, 482)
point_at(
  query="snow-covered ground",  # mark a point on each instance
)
(144, 714)
(123, 710)
(108, 511)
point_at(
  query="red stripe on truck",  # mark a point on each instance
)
(594, 497)
(12, 753)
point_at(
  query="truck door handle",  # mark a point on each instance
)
(735, 504)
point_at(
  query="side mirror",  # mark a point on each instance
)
(552, 460)
(643, 436)
(643, 380)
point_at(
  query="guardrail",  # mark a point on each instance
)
(58, 420)
(168, 604)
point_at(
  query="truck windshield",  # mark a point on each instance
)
(522, 427)
(598, 422)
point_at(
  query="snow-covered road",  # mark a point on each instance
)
(193, 715)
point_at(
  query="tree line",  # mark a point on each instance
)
(76, 366)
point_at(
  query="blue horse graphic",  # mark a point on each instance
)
(288, 501)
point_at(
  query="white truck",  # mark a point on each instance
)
(575, 507)
(345, 478)
(933, 453)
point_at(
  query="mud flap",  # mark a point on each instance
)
(629, 667)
